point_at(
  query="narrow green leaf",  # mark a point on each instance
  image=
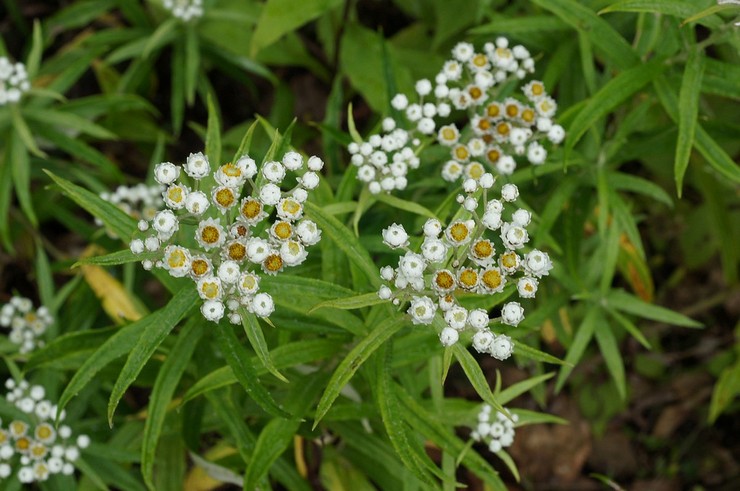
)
(678, 8)
(351, 125)
(475, 375)
(68, 122)
(257, 339)
(183, 302)
(78, 149)
(519, 388)
(577, 347)
(246, 144)
(91, 473)
(636, 184)
(510, 464)
(610, 351)
(352, 362)
(192, 62)
(21, 129)
(164, 388)
(177, 87)
(615, 48)
(113, 217)
(243, 368)
(37, 47)
(405, 205)
(616, 91)
(621, 300)
(630, 328)
(350, 303)
(164, 34)
(707, 12)
(117, 258)
(44, 276)
(21, 174)
(69, 345)
(526, 351)
(521, 25)
(726, 389)
(346, 241)
(213, 134)
(688, 112)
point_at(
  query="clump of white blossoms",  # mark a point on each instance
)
(33, 447)
(464, 109)
(494, 429)
(480, 252)
(139, 201)
(13, 81)
(26, 324)
(185, 10)
(223, 229)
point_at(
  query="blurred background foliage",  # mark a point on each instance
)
(640, 207)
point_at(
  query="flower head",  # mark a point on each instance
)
(27, 325)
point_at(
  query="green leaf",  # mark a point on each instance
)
(615, 48)
(192, 62)
(257, 339)
(21, 174)
(37, 47)
(183, 302)
(285, 356)
(280, 17)
(21, 129)
(611, 95)
(67, 121)
(707, 12)
(514, 391)
(213, 134)
(350, 303)
(246, 144)
(526, 351)
(630, 328)
(117, 258)
(688, 111)
(243, 368)
(113, 217)
(726, 389)
(164, 34)
(621, 300)
(404, 205)
(352, 362)
(69, 345)
(580, 341)
(164, 388)
(78, 148)
(610, 351)
(678, 8)
(475, 375)
(520, 25)
(346, 241)
(351, 125)
(503, 455)
(628, 182)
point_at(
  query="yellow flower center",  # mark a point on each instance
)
(449, 134)
(493, 155)
(512, 110)
(461, 152)
(475, 92)
(225, 197)
(480, 60)
(459, 232)
(483, 249)
(175, 194)
(475, 170)
(468, 278)
(528, 115)
(210, 289)
(251, 209)
(231, 170)
(210, 234)
(199, 267)
(444, 280)
(241, 230)
(493, 110)
(291, 207)
(22, 444)
(249, 282)
(177, 259)
(545, 106)
(503, 129)
(537, 89)
(273, 263)
(509, 260)
(282, 230)
(43, 431)
(484, 124)
(38, 450)
(491, 278)
(528, 287)
(237, 251)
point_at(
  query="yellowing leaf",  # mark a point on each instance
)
(635, 270)
(199, 478)
(117, 302)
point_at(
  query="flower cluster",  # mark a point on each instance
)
(494, 130)
(461, 259)
(27, 325)
(13, 81)
(216, 233)
(496, 430)
(140, 201)
(33, 445)
(185, 10)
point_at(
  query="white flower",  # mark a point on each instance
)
(478, 319)
(448, 336)
(422, 310)
(506, 165)
(502, 347)
(166, 173)
(248, 166)
(521, 217)
(491, 220)
(293, 253)
(463, 52)
(315, 164)
(212, 310)
(176, 260)
(270, 194)
(537, 263)
(384, 293)
(257, 249)
(262, 305)
(433, 250)
(136, 246)
(229, 272)
(432, 228)
(412, 265)
(527, 287)
(210, 234)
(536, 153)
(512, 313)
(509, 192)
(165, 223)
(399, 102)
(292, 161)
(556, 134)
(308, 232)
(482, 341)
(273, 171)
(395, 236)
(310, 180)
(423, 87)
(456, 317)
(513, 236)
(197, 203)
(197, 166)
